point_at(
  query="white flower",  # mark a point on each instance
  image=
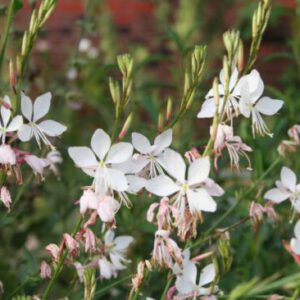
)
(116, 249)
(191, 188)
(252, 88)
(295, 242)
(150, 155)
(101, 162)
(287, 188)
(5, 126)
(54, 158)
(208, 108)
(37, 164)
(33, 113)
(186, 283)
(7, 155)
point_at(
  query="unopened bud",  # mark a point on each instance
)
(216, 92)
(12, 77)
(160, 122)
(45, 270)
(71, 244)
(148, 265)
(169, 108)
(138, 278)
(24, 43)
(126, 126)
(53, 251)
(240, 57)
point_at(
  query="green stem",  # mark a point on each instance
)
(169, 282)
(108, 287)
(60, 265)
(10, 15)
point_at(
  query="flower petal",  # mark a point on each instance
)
(174, 164)
(200, 200)
(207, 275)
(119, 153)
(25, 133)
(268, 106)
(5, 112)
(162, 185)
(136, 183)
(295, 245)
(163, 141)
(297, 230)
(288, 178)
(100, 143)
(276, 195)
(141, 143)
(83, 157)
(208, 109)
(15, 124)
(117, 180)
(41, 106)
(122, 242)
(52, 128)
(26, 107)
(198, 170)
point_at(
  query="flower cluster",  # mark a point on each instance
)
(22, 128)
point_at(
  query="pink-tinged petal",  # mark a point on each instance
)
(162, 185)
(5, 112)
(174, 164)
(119, 153)
(25, 133)
(135, 183)
(295, 245)
(198, 170)
(150, 211)
(122, 242)
(100, 143)
(208, 109)
(7, 155)
(187, 282)
(276, 195)
(200, 200)
(213, 188)
(163, 141)
(117, 180)
(83, 157)
(107, 209)
(141, 143)
(26, 107)
(5, 197)
(184, 286)
(207, 275)
(15, 124)
(41, 106)
(89, 200)
(268, 106)
(52, 128)
(288, 178)
(297, 230)
(37, 164)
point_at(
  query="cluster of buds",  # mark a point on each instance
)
(291, 144)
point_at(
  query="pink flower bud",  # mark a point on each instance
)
(54, 251)
(71, 244)
(5, 197)
(90, 240)
(45, 270)
(138, 278)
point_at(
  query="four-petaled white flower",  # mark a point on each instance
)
(101, 162)
(187, 285)
(295, 242)
(5, 126)
(252, 88)
(286, 188)
(150, 155)
(191, 189)
(33, 113)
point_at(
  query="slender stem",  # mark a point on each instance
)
(108, 287)
(169, 282)
(10, 15)
(60, 265)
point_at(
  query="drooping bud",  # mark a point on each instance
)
(138, 278)
(71, 244)
(5, 197)
(45, 270)
(54, 251)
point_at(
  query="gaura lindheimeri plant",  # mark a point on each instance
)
(179, 192)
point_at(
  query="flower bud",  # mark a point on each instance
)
(126, 126)
(54, 251)
(71, 244)
(45, 270)
(5, 197)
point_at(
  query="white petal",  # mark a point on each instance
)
(83, 157)
(162, 185)
(107, 208)
(141, 143)
(297, 230)
(276, 195)
(163, 141)
(208, 109)
(122, 242)
(207, 275)
(184, 286)
(41, 106)
(268, 106)
(25, 133)
(5, 112)
(288, 178)
(174, 164)
(244, 107)
(198, 170)
(136, 183)
(213, 188)
(15, 124)
(119, 153)
(295, 245)
(117, 180)
(200, 200)
(26, 107)
(106, 268)
(109, 237)
(100, 143)
(52, 128)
